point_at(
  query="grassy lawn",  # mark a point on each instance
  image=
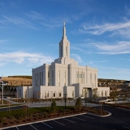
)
(4, 102)
(126, 104)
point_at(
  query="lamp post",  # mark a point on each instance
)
(85, 97)
(2, 90)
(65, 95)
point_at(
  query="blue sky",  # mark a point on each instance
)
(98, 30)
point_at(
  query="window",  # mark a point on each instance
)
(80, 77)
(102, 93)
(59, 77)
(95, 80)
(105, 93)
(59, 94)
(66, 52)
(53, 94)
(72, 93)
(64, 77)
(90, 77)
(42, 78)
(36, 79)
(47, 94)
(61, 51)
(52, 78)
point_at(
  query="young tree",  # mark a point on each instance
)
(53, 106)
(78, 104)
(95, 93)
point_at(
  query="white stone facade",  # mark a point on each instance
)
(65, 76)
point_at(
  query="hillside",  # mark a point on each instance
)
(27, 81)
(18, 80)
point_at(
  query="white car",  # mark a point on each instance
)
(106, 100)
(110, 102)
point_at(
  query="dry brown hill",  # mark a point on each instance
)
(27, 81)
(18, 80)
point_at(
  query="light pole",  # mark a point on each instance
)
(85, 97)
(2, 90)
(65, 95)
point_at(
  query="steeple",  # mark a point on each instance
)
(64, 45)
(64, 32)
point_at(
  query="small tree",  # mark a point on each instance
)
(53, 106)
(78, 104)
(95, 93)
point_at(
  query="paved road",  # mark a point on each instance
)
(120, 120)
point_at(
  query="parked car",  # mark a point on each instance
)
(110, 102)
(105, 100)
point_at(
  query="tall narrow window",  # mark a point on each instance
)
(95, 80)
(102, 93)
(59, 77)
(66, 52)
(36, 79)
(40, 78)
(61, 51)
(91, 78)
(73, 94)
(52, 78)
(77, 76)
(64, 77)
(105, 93)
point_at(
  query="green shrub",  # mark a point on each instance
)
(78, 104)
(53, 106)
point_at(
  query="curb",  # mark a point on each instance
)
(99, 115)
(123, 109)
(55, 119)
(10, 106)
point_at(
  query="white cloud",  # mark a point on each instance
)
(48, 21)
(122, 47)
(117, 70)
(117, 28)
(18, 21)
(77, 58)
(77, 48)
(102, 61)
(21, 57)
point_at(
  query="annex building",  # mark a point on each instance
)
(63, 77)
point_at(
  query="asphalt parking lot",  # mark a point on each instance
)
(120, 120)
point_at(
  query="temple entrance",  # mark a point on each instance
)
(87, 92)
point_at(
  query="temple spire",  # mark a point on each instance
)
(64, 31)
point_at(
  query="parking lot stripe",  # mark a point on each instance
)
(126, 127)
(69, 120)
(79, 118)
(88, 117)
(17, 128)
(33, 127)
(47, 125)
(58, 122)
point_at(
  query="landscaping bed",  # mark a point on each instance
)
(124, 106)
(16, 117)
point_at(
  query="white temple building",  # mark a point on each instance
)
(63, 77)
